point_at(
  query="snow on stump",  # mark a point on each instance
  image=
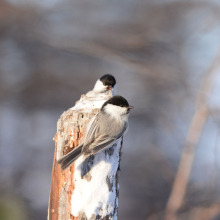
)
(88, 189)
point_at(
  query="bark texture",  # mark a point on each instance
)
(70, 133)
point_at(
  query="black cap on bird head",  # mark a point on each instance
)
(108, 80)
(118, 101)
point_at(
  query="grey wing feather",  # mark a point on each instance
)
(97, 139)
(91, 134)
(91, 128)
(101, 146)
(97, 146)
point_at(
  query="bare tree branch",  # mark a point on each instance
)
(198, 121)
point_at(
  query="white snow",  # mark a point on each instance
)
(91, 196)
(88, 103)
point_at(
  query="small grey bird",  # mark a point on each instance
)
(107, 127)
(105, 83)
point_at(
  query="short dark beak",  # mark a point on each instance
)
(130, 107)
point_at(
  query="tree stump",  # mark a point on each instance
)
(88, 189)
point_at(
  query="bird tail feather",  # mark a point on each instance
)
(69, 158)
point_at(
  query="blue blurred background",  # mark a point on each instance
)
(53, 51)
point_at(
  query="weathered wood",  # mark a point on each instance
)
(70, 133)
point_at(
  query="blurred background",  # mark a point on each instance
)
(165, 57)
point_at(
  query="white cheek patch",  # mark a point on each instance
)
(115, 111)
(99, 86)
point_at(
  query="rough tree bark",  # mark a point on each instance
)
(89, 188)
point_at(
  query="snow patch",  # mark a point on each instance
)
(95, 196)
(87, 104)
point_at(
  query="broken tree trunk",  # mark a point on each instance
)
(88, 189)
